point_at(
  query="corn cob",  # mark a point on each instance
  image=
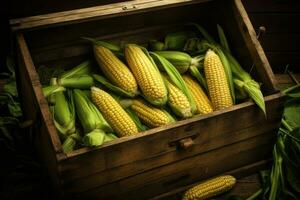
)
(113, 113)
(83, 68)
(151, 116)
(79, 81)
(218, 87)
(115, 70)
(147, 75)
(210, 188)
(63, 112)
(203, 104)
(177, 100)
(89, 116)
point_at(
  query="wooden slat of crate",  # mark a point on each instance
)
(145, 185)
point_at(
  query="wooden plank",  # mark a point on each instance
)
(285, 79)
(255, 49)
(37, 7)
(242, 175)
(30, 91)
(48, 38)
(266, 6)
(276, 23)
(155, 142)
(201, 145)
(95, 13)
(42, 105)
(187, 171)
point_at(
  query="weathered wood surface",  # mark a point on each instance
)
(188, 171)
(97, 12)
(281, 41)
(247, 183)
(35, 108)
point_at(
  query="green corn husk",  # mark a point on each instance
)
(223, 40)
(89, 116)
(175, 77)
(136, 119)
(109, 137)
(82, 69)
(63, 112)
(194, 71)
(154, 45)
(177, 40)
(182, 61)
(79, 82)
(116, 49)
(103, 81)
(71, 142)
(113, 47)
(51, 89)
(94, 138)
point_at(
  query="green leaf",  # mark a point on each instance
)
(51, 89)
(109, 45)
(292, 112)
(293, 92)
(11, 88)
(196, 73)
(222, 37)
(136, 119)
(102, 80)
(256, 95)
(293, 177)
(177, 40)
(83, 68)
(203, 32)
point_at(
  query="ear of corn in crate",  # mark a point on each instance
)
(184, 75)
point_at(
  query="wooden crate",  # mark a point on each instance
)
(153, 162)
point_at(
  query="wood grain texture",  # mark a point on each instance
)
(245, 175)
(256, 51)
(33, 102)
(41, 102)
(97, 12)
(125, 153)
(202, 166)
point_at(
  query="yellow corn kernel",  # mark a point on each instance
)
(113, 113)
(210, 188)
(202, 102)
(146, 74)
(151, 116)
(115, 70)
(177, 100)
(217, 83)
